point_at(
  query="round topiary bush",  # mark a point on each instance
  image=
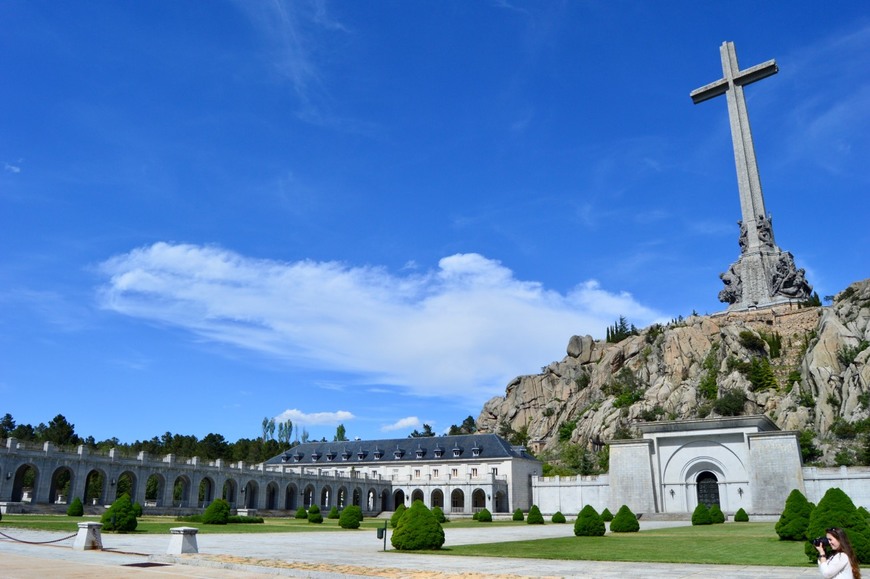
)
(701, 515)
(314, 515)
(474, 516)
(518, 515)
(740, 516)
(625, 521)
(333, 513)
(75, 508)
(836, 509)
(120, 516)
(301, 513)
(589, 523)
(535, 517)
(716, 515)
(350, 518)
(417, 530)
(795, 517)
(397, 516)
(558, 517)
(484, 516)
(606, 515)
(438, 513)
(217, 513)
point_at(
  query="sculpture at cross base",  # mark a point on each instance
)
(763, 274)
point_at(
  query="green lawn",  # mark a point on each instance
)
(729, 544)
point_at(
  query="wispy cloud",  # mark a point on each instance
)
(315, 418)
(292, 34)
(462, 330)
(402, 424)
(10, 168)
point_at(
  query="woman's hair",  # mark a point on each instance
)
(846, 548)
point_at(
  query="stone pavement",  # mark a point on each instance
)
(328, 555)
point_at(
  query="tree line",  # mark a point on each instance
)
(60, 432)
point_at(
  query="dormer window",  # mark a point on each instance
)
(285, 457)
(419, 452)
(475, 450)
(439, 452)
(330, 455)
(315, 455)
(378, 454)
(398, 453)
(297, 456)
(456, 451)
(345, 454)
(361, 454)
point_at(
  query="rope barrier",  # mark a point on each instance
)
(37, 542)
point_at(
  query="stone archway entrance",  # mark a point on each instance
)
(708, 489)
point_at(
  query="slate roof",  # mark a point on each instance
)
(432, 448)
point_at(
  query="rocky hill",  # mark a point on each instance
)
(806, 368)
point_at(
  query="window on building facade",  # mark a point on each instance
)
(454, 471)
(416, 473)
(473, 471)
(435, 472)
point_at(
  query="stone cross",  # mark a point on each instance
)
(755, 219)
(763, 275)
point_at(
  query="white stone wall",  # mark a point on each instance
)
(775, 469)
(569, 494)
(854, 481)
(631, 476)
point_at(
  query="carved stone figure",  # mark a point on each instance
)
(789, 281)
(764, 226)
(733, 291)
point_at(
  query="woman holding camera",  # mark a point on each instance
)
(842, 562)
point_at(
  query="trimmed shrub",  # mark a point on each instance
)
(518, 515)
(701, 515)
(137, 509)
(740, 516)
(474, 516)
(314, 515)
(625, 521)
(397, 516)
(558, 517)
(350, 517)
(417, 530)
(217, 513)
(535, 517)
(716, 515)
(795, 517)
(439, 515)
(484, 516)
(120, 517)
(836, 509)
(301, 513)
(606, 515)
(589, 523)
(75, 508)
(333, 513)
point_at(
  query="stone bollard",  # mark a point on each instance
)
(88, 537)
(183, 540)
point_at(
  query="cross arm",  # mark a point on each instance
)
(709, 91)
(757, 72)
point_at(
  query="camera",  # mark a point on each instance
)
(821, 541)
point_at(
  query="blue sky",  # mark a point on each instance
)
(379, 213)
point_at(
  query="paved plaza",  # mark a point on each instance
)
(327, 555)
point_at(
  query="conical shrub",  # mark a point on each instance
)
(740, 516)
(625, 521)
(535, 517)
(701, 515)
(397, 515)
(836, 509)
(589, 523)
(795, 517)
(518, 515)
(417, 530)
(716, 515)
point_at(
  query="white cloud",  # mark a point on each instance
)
(402, 424)
(12, 168)
(315, 418)
(462, 330)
